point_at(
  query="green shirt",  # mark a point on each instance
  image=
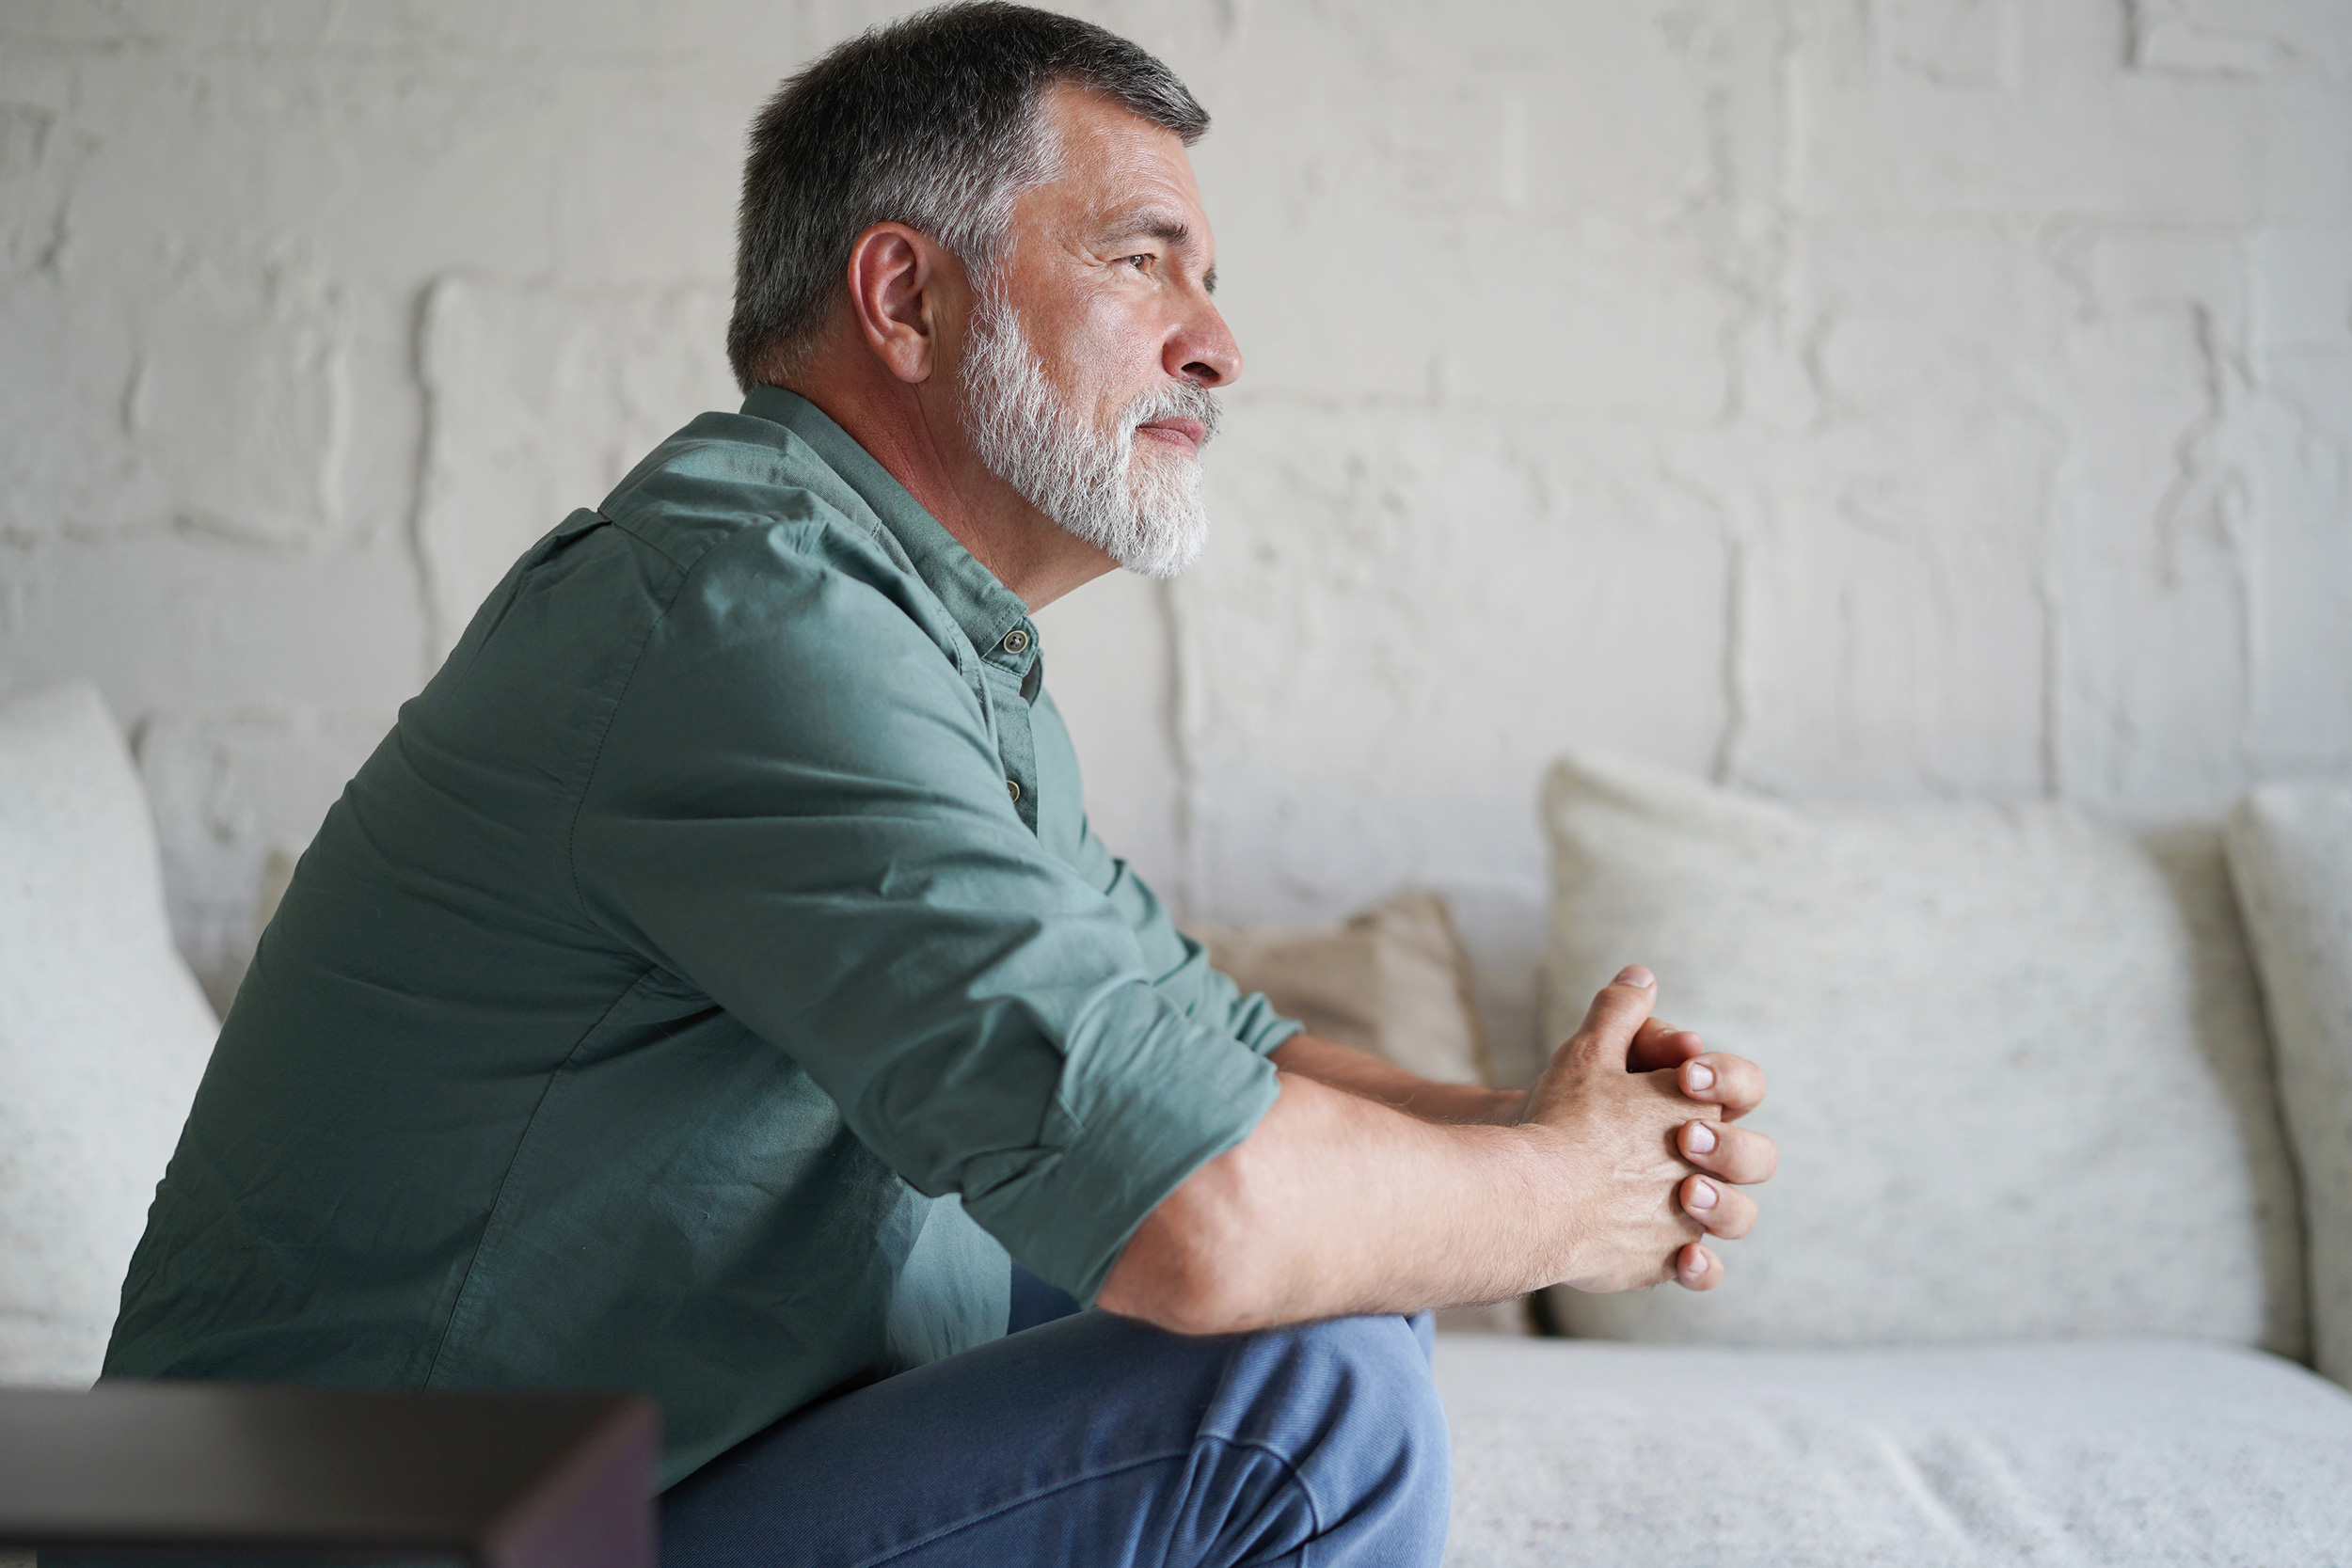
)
(713, 942)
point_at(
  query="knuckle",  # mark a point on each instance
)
(1617, 1004)
(1617, 993)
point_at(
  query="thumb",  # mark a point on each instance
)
(1615, 1017)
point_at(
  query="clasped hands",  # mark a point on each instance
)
(1645, 1112)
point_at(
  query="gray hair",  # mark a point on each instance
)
(933, 123)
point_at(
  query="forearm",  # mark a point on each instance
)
(1363, 1074)
(1338, 1205)
(1624, 1157)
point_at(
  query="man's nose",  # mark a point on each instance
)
(1203, 352)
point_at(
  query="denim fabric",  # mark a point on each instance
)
(1094, 1441)
(1035, 1302)
(1086, 1441)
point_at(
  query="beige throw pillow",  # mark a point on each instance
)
(1392, 980)
(2291, 855)
(2018, 1068)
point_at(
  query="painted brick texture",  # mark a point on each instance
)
(1871, 398)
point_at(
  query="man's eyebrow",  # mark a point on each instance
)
(1157, 224)
(1152, 222)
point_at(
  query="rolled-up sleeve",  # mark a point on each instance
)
(1178, 966)
(797, 808)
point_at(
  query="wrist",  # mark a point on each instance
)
(1558, 1178)
(1504, 1107)
(1466, 1105)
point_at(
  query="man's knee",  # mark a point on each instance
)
(1390, 1396)
(1380, 1370)
(1351, 1404)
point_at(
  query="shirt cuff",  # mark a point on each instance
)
(1257, 1025)
(1146, 1098)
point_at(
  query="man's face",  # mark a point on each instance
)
(1094, 345)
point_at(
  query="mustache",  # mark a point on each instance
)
(1178, 400)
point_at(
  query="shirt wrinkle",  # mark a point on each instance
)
(708, 983)
(522, 1141)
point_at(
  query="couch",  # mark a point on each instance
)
(2063, 1228)
(2064, 1214)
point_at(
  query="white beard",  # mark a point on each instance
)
(1145, 515)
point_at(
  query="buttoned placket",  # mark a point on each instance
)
(998, 655)
(1014, 667)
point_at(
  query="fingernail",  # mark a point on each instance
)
(1702, 1195)
(1702, 1138)
(1698, 1075)
(1634, 974)
(1699, 1265)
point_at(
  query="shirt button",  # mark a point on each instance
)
(1013, 784)
(1016, 640)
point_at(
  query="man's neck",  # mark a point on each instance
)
(915, 434)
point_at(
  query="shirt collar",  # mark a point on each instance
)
(983, 607)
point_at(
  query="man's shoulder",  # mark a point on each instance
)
(772, 555)
(746, 509)
(724, 474)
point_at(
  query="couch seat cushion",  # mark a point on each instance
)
(2054, 1454)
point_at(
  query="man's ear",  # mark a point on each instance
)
(900, 285)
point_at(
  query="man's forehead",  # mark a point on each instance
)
(1121, 177)
(1084, 113)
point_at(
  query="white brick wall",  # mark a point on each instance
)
(1842, 397)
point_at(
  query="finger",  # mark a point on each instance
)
(1657, 1045)
(1713, 1078)
(1615, 1014)
(1725, 1211)
(1698, 1269)
(1738, 1154)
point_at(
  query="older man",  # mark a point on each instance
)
(712, 978)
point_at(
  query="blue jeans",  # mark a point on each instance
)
(1094, 1441)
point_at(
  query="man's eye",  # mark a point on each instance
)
(1139, 261)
